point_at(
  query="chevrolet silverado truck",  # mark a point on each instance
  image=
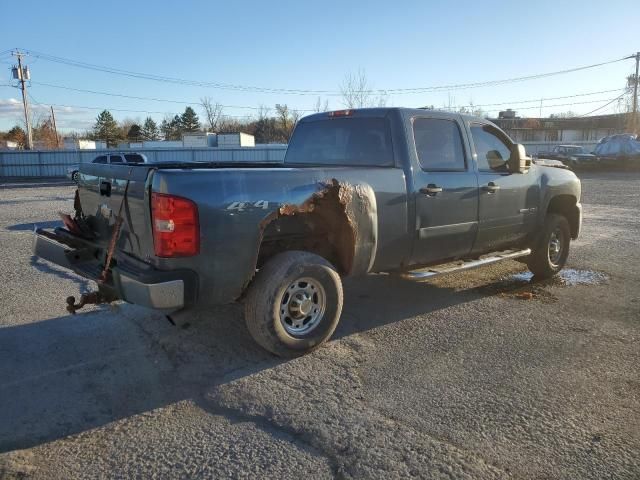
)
(416, 193)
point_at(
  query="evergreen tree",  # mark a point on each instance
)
(150, 130)
(172, 128)
(106, 129)
(189, 120)
(135, 133)
(165, 129)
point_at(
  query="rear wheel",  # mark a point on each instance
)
(75, 176)
(550, 253)
(294, 303)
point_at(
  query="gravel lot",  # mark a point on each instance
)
(476, 375)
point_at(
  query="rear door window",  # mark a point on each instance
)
(438, 144)
(133, 158)
(115, 159)
(363, 141)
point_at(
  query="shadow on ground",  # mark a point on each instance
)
(73, 373)
(31, 226)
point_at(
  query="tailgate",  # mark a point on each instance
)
(101, 191)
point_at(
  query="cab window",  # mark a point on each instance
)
(101, 159)
(438, 145)
(493, 151)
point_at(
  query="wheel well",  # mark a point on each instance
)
(321, 226)
(565, 205)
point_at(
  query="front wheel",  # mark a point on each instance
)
(75, 176)
(294, 303)
(550, 253)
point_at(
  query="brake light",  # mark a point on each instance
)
(176, 230)
(341, 113)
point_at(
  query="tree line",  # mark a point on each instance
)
(267, 125)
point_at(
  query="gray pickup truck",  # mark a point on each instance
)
(416, 193)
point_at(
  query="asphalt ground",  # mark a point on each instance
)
(474, 375)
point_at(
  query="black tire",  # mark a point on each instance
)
(75, 176)
(544, 261)
(267, 304)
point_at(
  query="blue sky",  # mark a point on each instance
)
(313, 45)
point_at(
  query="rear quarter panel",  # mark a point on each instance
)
(234, 202)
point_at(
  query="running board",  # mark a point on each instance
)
(468, 265)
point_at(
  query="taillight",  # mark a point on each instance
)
(176, 231)
(341, 113)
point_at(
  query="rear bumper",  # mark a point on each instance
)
(132, 281)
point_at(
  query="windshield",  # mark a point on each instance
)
(342, 141)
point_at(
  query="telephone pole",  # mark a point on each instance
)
(55, 129)
(21, 74)
(635, 96)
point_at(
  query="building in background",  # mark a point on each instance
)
(556, 129)
(236, 140)
(81, 144)
(197, 140)
(9, 145)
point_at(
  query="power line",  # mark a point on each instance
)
(515, 102)
(84, 107)
(292, 91)
(247, 116)
(97, 92)
(563, 104)
(603, 106)
(111, 94)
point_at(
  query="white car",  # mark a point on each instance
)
(73, 171)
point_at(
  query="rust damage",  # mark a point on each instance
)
(328, 213)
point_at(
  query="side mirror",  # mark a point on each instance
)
(518, 161)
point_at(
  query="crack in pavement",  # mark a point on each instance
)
(358, 440)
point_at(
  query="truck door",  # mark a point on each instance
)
(508, 201)
(445, 188)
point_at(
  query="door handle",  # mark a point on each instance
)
(492, 187)
(431, 189)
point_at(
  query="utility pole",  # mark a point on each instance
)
(635, 96)
(55, 129)
(20, 73)
(540, 108)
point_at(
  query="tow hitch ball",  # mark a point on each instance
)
(94, 298)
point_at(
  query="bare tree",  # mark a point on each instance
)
(357, 92)
(355, 89)
(282, 111)
(212, 112)
(320, 107)
(263, 112)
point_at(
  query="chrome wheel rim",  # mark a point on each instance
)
(302, 306)
(555, 247)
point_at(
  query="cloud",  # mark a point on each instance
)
(11, 113)
(10, 106)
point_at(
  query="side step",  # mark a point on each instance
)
(468, 265)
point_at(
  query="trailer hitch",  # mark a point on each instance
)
(90, 298)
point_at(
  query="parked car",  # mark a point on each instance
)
(573, 156)
(370, 190)
(73, 171)
(619, 151)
